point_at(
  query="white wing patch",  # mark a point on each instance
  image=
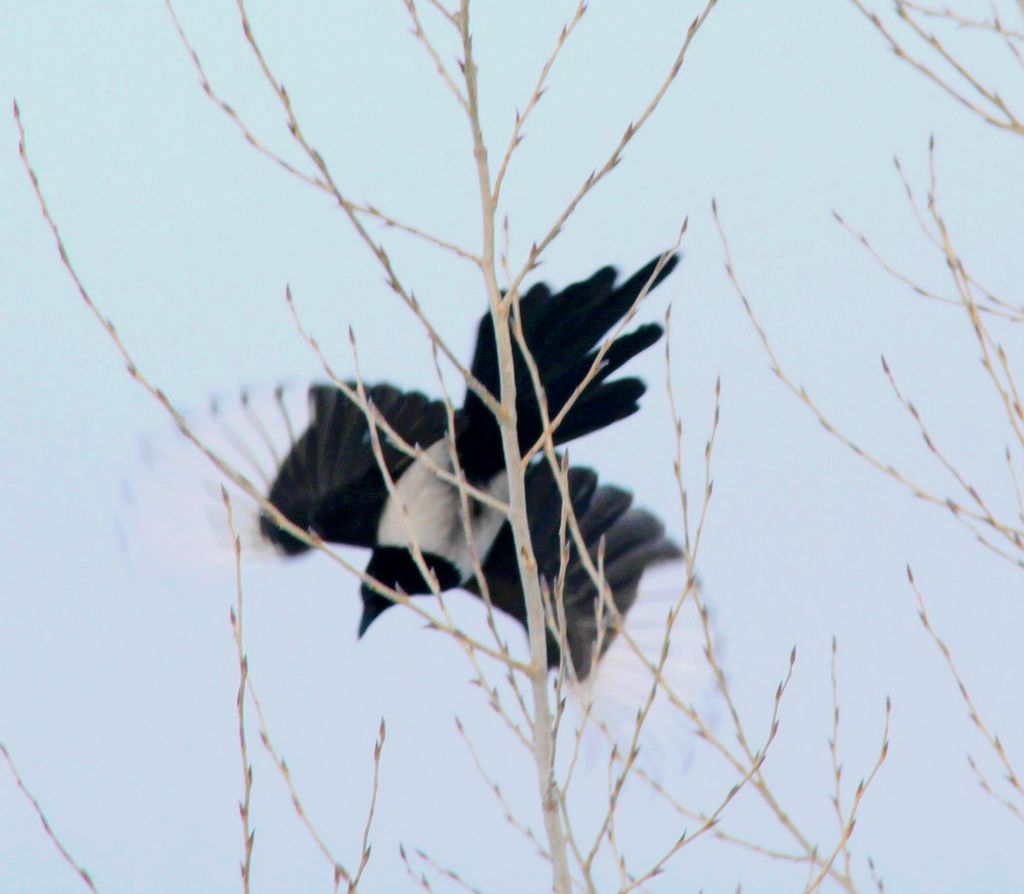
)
(170, 512)
(621, 681)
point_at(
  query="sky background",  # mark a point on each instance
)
(117, 665)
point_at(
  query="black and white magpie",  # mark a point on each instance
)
(330, 482)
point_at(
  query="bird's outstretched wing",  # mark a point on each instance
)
(633, 539)
(563, 332)
(330, 481)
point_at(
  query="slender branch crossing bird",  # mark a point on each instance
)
(331, 482)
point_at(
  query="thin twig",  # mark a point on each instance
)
(499, 796)
(990, 107)
(531, 103)
(993, 741)
(237, 620)
(963, 514)
(858, 797)
(364, 854)
(596, 176)
(435, 57)
(82, 873)
(837, 767)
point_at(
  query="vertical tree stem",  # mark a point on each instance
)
(543, 735)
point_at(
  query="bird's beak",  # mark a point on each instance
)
(374, 605)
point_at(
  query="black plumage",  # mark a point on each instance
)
(622, 542)
(563, 332)
(330, 483)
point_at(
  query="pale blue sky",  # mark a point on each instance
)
(117, 678)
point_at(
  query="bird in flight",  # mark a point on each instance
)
(331, 482)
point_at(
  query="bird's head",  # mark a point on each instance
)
(396, 567)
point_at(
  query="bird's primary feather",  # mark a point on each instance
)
(562, 331)
(330, 481)
(622, 543)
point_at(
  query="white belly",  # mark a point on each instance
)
(432, 516)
